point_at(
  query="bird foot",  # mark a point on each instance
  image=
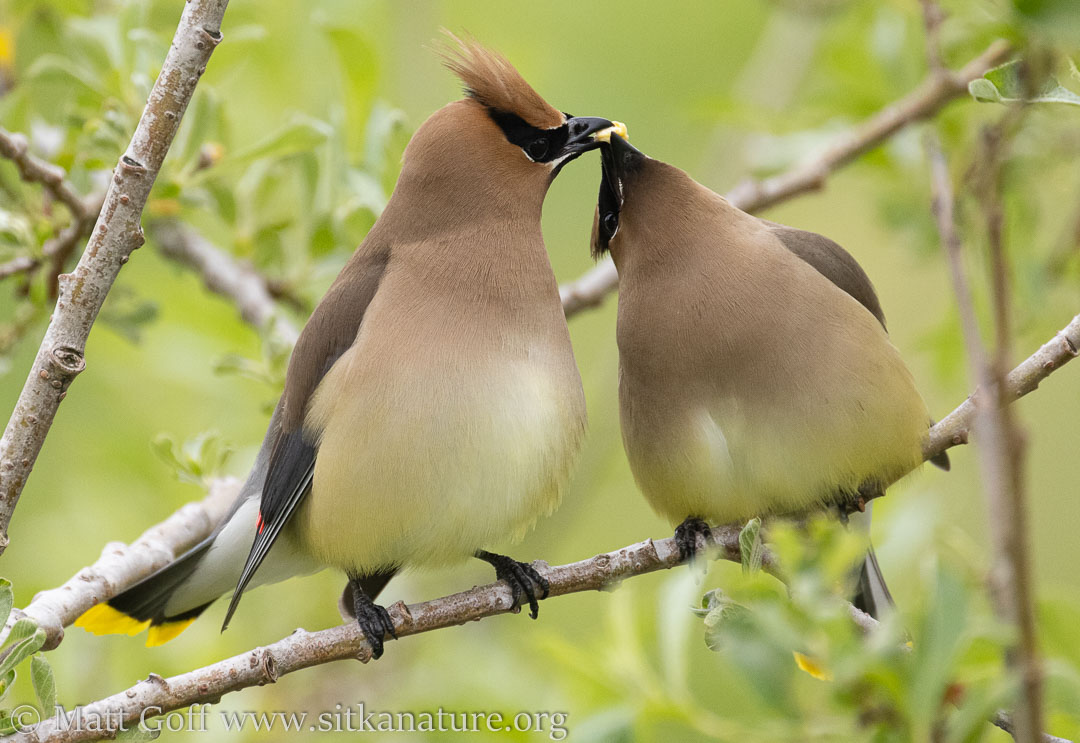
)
(858, 501)
(522, 578)
(374, 620)
(687, 534)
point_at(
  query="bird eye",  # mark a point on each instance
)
(538, 148)
(611, 224)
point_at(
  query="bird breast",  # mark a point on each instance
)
(431, 449)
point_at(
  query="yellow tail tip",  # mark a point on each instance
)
(162, 633)
(812, 666)
(105, 620)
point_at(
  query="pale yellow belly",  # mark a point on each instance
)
(730, 461)
(424, 467)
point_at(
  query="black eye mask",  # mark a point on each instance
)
(541, 145)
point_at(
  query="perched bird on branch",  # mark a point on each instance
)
(432, 404)
(756, 375)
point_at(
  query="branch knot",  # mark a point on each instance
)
(68, 362)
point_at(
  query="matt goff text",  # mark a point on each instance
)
(343, 718)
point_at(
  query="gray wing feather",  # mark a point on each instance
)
(832, 262)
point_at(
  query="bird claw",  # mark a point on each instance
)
(374, 621)
(523, 579)
(686, 537)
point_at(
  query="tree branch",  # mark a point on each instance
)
(938, 89)
(1001, 441)
(116, 234)
(304, 649)
(17, 265)
(14, 147)
(59, 248)
(122, 565)
(954, 428)
(1004, 721)
(225, 276)
(84, 212)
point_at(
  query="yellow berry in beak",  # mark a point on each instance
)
(617, 127)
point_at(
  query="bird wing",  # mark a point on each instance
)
(330, 332)
(832, 262)
(839, 267)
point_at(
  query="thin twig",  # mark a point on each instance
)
(224, 275)
(933, 17)
(955, 428)
(14, 147)
(937, 90)
(60, 248)
(57, 249)
(84, 212)
(60, 357)
(18, 265)
(1001, 441)
(1011, 579)
(1004, 721)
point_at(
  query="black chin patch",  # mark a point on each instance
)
(608, 204)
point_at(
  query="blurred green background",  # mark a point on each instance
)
(302, 115)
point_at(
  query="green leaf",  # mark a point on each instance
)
(6, 680)
(7, 600)
(137, 734)
(1005, 84)
(384, 121)
(1057, 19)
(358, 64)
(22, 650)
(984, 91)
(24, 627)
(750, 548)
(41, 675)
(937, 647)
(128, 314)
(301, 134)
(7, 725)
(197, 460)
(56, 66)
(675, 626)
(719, 611)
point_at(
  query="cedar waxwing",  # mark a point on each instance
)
(756, 375)
(432, 404)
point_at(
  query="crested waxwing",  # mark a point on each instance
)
(432, 405)
(756, 375)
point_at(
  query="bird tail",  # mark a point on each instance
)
(871, 593)
(143, 606)
(168, 601)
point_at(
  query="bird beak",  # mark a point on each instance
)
(617, 158)
(587, 133)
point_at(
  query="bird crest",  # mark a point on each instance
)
(492, 81)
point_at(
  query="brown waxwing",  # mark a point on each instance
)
(432, 404)
(756, 375)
